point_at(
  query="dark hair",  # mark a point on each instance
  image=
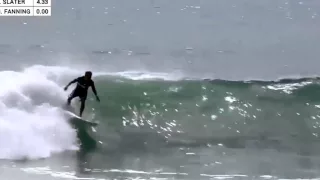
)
(88, 73)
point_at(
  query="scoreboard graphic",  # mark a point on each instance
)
(25, 7)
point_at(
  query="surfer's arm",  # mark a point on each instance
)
(73, 81)
(94, 90)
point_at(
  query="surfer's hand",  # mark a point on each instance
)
(98, 99)
(66, 88)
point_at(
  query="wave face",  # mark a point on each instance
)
(153, 110)
(282, 115)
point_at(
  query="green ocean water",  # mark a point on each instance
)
(284, 112)
(191, 119)
(157, 128)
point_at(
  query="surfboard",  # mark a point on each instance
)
(74, 116)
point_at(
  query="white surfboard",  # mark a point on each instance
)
(80, 119)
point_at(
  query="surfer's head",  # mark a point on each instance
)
(88, 75)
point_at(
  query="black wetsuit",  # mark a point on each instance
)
(81, 90)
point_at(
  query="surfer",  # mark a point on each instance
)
(81, 90)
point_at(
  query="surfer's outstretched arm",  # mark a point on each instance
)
(94, 91)
(73, 81)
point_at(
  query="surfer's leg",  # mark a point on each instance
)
(83, 102)
(69, 99)
(71, 96)
(83, 98)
